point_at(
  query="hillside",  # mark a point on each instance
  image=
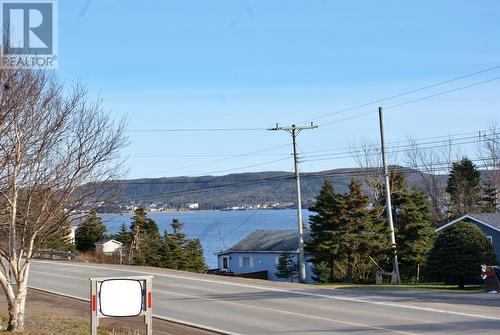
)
(243, 189)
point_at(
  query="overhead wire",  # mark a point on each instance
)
(366, 104)
(411, 101)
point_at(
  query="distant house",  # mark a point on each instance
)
(72, 234)
(260, 251)
(489, 223)
(108, 247)
(193, 206)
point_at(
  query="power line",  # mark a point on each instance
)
(399, 94)
(411, 101)
(395, 148)
(192, 130)
(375, 153)
(221, 160)
(322, 116)
(435, 167)
(197, 190)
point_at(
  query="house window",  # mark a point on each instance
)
(490, 238)
(246, 262)
(225, 262)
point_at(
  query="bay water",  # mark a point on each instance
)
(216, 230)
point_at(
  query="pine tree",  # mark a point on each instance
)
(178, 252)
(415, 233)
(124, 235)
(179, 238)
(286, 267)
(489, 200)
(324, 227)
(194, 258)
(464, 188)
(164, 252)
(356, 226)
(147, 237)
(89, 232)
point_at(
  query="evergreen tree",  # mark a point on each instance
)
(489, 200)
(175, 252)
(89, 232)
(324, 227)
(148, 240)
(164, 252)
(399, 190)
(180, 244)
(464, 188)
(286, 267)
(355, 226)
(194, 258)
(124, 236)
(60, 239)
(415, 232)
(344, 229)
(178, 252)
(458, 253)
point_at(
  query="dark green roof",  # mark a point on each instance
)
(270, 240)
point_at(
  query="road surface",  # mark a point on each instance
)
(239, 306)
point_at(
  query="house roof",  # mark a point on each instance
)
(106, 240)
(270, 240)
(491, 220)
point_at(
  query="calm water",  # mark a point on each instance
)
(232, 226)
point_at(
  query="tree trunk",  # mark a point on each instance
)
(461, 284)
(331, 269)
(17, 310)
(17, 306)
(418, 273)
(349, 267)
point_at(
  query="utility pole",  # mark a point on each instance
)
(294, 131)
(395, 266)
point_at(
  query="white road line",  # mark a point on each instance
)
(159, 317)
(229, 303)
(273, 310)
(364, 301)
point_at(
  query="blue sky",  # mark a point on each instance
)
(249, 64)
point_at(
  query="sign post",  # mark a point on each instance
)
(121, 297)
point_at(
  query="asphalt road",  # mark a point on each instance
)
(259, 307)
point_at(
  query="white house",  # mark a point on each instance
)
(193, 206)
(108, 247)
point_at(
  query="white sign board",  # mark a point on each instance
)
(121, 297)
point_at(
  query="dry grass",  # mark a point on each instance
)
(46, 323)
(50, 314)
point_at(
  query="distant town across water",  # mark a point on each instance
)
(217, 230)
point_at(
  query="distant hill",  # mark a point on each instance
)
(242, 189)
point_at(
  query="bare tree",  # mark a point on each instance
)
(432, 164)
(489, 153)
(52, 142)
(368, 156)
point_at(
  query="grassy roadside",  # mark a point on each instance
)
(46, 323)
(50, 314)
(423, 286)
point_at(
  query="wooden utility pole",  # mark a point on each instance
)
(395, 266)
(294, 131)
